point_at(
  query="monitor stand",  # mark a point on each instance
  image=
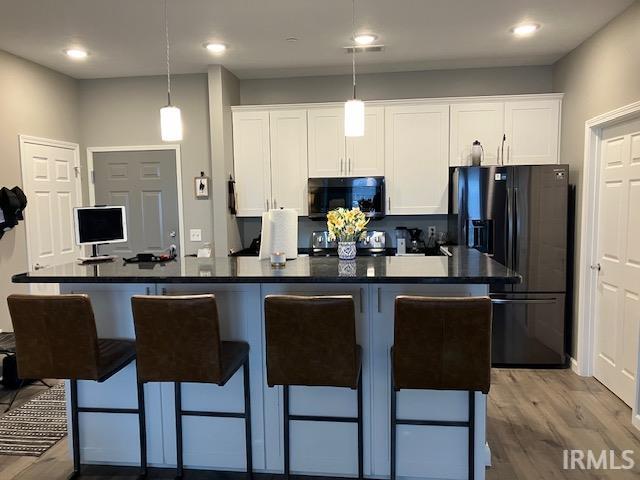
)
(95, 257)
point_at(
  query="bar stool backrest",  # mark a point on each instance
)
(311, 340)
(55, 336)
(442, 343)
(177, 338)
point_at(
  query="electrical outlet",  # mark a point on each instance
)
(431, 231)
(195, 235)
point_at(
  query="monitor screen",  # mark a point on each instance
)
(100, 225)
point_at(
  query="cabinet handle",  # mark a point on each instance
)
(389, 203)
(361, 306)
(508, 153)
(379, 300)
(266, 204)
(275, 203)
(349, 170)
(148, 290)
(341, 165)
(164, 291)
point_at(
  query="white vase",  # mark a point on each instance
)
(346, 250)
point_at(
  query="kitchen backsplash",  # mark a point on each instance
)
(250, 227)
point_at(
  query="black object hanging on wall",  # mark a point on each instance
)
(12, 204)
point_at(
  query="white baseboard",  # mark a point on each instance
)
(574, 366)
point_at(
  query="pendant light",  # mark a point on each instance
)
(354, 108)
(170, 117)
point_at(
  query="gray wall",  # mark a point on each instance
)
(386, 86)
(126, 112)
(33, 101)
(598, 76)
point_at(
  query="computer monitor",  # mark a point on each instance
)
(96, 225)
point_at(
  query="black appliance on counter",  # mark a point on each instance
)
(519, 216)
(326, 194)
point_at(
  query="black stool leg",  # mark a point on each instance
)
(142, 425)
(178, 405)
(360, 431)
(285, 408)
(472, 435)
(75, 431)
(247, 419)
(393, 428)
(14, 396)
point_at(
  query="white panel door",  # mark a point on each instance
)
(288, 130)
(365, 155)
(482, 121)
(53, 190)
(532, 128)
(417, 159)
(251, 159)
(618, 301)
(327, 156)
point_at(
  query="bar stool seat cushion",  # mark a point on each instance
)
(113, 356)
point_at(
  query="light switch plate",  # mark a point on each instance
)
(195, 235)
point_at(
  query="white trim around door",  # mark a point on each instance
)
(175, 147)
(589, 245)
(26, 181)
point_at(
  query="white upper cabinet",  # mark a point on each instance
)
(417, 159)
(327, 148)
(331, 154)
(289, 159)
(532, 128)
(482, 121)
(251, 158)
(365, 155)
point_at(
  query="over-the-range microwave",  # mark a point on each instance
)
(366, 193)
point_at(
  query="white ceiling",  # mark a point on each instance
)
(125, 37)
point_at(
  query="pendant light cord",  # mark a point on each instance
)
(353, 50)
(166, 33)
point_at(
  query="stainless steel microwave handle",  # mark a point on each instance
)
(539, 301)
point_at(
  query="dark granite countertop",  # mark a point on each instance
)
(465, 266)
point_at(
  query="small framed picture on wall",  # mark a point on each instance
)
(202, 186)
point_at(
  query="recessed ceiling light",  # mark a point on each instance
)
(525, 29)
(365, 39)
(76, 53)
(216, 47)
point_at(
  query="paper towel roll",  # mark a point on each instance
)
(284, 232)
(279, 233)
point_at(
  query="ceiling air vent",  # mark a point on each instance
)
(364, 48)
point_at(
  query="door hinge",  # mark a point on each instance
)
(77, 171)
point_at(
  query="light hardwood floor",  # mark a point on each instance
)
(533, 416)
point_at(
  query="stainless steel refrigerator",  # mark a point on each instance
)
(518, 215)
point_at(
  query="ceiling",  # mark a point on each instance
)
(125, 37)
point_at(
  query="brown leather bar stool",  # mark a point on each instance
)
(178, 340)
(441, 344)
(311, 341)
(56, 338)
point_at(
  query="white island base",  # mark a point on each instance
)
(316, 448)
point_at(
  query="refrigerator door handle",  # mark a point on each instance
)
(545, 301)
(509, 235)
(514, 235)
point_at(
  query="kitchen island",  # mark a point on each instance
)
(240, 285)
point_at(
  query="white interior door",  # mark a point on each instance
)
(618, 297)
(51, 184)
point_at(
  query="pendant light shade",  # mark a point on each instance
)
(170, 124)
(354, 108)
(170, 116)
(354, 118)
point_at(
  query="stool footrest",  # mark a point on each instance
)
(199, 413)
(323, 418)
(107, 410)
(433, 423)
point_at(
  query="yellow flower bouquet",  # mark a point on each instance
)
(347, 227)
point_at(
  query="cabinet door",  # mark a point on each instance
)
(532, 129)
(326, 142)
(251, 162)
(288, 131)
(365, 155)
(476, 121)
(417, 159)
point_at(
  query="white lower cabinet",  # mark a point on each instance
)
(416, 159)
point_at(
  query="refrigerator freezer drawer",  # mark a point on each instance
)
(528, 330)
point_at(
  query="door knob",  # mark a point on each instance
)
(596, 267)
(172, 234)
(37, 266)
